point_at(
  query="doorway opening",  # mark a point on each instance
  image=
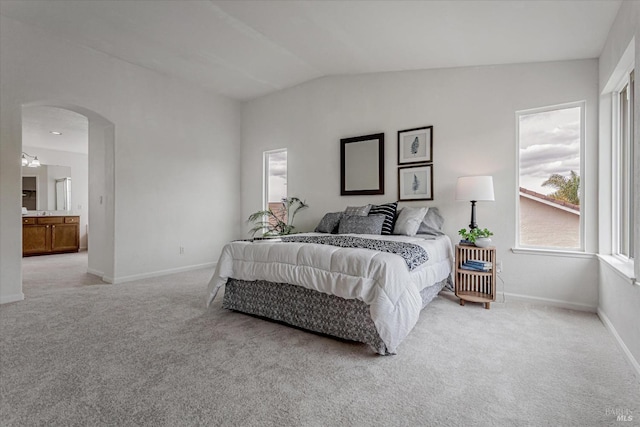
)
(56, 187)
(77, 144)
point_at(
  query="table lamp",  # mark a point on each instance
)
(474, 189)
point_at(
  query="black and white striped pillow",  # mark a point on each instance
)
(389, 212)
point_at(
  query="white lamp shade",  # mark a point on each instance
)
(475, 188)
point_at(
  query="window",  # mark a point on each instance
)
(623, 198)
(550, 142)
(275, 179)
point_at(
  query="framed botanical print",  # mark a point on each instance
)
(415, 145)
(415, 183)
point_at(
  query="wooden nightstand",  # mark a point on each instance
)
(476, 286)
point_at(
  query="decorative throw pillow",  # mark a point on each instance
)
(358, 210)
(329, 223)
(409, 220)
(389, 212)
(361, 224)
(432, 223)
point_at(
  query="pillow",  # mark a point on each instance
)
(357, 224)
(409, 221)
(329, 223)
(432, 223)
(389, 212)
(358, 210)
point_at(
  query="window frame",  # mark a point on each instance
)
(627, 81)
(519, 247)
(265, 174)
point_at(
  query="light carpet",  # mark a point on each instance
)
(150, 353)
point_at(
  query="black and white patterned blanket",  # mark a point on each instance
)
(413, 255)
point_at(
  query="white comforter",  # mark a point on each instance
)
(382, 280)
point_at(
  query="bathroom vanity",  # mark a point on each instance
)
(45, 235)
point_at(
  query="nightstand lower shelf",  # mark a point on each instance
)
(475, 297)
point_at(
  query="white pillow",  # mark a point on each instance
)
(432, 223)
(409, 221)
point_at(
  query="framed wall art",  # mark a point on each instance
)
(415, 145)
(362, 165)
(415, 183)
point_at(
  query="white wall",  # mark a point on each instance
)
(176, 155)
(473, 114)
(619, 302)
(79, 164)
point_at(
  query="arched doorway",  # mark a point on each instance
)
(101, 188)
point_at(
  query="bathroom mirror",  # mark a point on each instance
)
(362, 165)
(46, 188)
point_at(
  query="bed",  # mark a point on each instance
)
(356, 287)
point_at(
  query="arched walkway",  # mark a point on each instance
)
(101, 257)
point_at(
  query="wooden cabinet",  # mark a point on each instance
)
(50, 234)
(476, 286)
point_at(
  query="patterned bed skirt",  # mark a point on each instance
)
(348, 319)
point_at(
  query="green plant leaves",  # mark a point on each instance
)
(474, 233)
(275, 223)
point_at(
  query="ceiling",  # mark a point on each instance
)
(38, 122)
(246, 49)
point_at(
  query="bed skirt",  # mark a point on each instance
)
(348, 319)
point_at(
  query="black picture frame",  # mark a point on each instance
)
(415, 182)
(415, 145)
(359, 158)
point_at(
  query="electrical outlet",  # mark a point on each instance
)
(498, 266)
(181, 250)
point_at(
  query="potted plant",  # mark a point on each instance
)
(477, 236)
(278, 222)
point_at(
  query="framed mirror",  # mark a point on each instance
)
(46, 188)
(362, 165)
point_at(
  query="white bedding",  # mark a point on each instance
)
(382, 280)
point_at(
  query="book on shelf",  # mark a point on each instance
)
(466, 266)
(478, 263)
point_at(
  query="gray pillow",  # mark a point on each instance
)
(361, 224)
(432, 223)
(329, 223)
(358, 210)
(409, 220)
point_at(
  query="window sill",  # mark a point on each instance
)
(552, 252)
(622, 267)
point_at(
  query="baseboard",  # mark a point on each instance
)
(12, 298)
(95, 272)
(632, 360)
(100, 274)
(123, 279)
(553, 302)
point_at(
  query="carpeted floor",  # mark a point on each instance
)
(76, 352)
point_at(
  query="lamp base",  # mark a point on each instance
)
(473, 223)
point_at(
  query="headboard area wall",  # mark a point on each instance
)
(472, 111)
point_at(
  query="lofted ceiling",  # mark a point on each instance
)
(245, 49)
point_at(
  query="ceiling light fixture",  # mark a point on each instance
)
(55, 132)
(34, 163)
